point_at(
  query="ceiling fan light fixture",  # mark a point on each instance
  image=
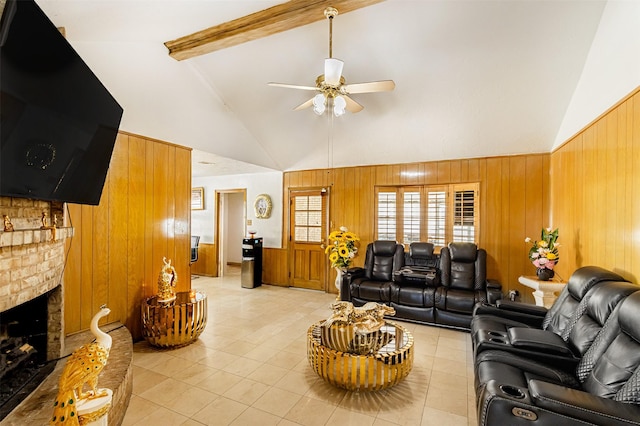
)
(319, 104)
(332, 71)
(339, 106)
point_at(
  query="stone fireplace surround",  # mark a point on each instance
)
(32, 263)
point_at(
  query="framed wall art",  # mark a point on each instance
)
(197, 198)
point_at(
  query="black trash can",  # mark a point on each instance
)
(251, 273)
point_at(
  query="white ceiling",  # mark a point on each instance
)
(473, 78)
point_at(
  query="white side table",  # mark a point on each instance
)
(545, 292)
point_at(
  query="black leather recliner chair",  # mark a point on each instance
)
(496, 353)
(372, 283)
(493, 322)
(604, 389)
(464, 283)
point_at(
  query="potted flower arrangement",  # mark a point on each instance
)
(342, 248)
(544, 253)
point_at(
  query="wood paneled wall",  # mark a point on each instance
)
(274, 266)
(514, 204)
(595, 193)
(207, 263)
(144, 215)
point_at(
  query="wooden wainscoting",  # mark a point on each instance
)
(595, 187)
(144, 215)
(274, 266)
(207, 263)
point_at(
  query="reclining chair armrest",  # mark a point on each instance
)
(576, 404)
(494, 284)
(494, 291)
(345, 285)
(523, 308)
(354, 272)
(510, 310)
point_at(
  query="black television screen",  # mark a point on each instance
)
(58, 123)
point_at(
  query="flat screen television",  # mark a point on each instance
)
(58, 123)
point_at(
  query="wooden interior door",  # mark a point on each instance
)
(308, 227)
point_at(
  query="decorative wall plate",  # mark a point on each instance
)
(262, 206)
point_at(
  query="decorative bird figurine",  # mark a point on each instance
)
(84, 366)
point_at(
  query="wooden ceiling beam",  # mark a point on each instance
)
(279, 18)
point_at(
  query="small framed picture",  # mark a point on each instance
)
(197, 198)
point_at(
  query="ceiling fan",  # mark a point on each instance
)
(333, 93)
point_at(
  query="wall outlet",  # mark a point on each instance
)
(249, 222)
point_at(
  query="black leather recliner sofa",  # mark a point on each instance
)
(421, 286)
(599, 330)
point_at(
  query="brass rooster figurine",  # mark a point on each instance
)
(84, 366)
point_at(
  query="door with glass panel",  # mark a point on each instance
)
(307, 261)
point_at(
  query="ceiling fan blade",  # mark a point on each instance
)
(332, 71)
(292, 86)
(373, 86)
(305, 104)
(352, 106)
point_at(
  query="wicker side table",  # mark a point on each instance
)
(175, 323)
(385, 368)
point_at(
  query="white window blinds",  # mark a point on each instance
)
(387, 217)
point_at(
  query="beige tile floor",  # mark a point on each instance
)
(249, 367)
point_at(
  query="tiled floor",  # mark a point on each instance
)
(249, 367)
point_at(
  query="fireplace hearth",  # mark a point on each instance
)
(23, 351)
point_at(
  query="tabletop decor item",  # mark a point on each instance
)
(8, 226)
(356, 330)
(167, 280)
(342, 248)
(83, 368)
(544, 253)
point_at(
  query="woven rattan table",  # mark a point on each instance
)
(380, 370)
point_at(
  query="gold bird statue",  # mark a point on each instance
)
(84, 366)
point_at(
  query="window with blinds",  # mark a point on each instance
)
(464, 214)
(308, 218)
(411, 218)
(387, 218)
(439, 214)
(437, 217)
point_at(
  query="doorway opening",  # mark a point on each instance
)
(231, 228)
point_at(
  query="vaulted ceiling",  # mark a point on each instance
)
(473, 78)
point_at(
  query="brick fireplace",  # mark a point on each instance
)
(32, 263)
(31, 301)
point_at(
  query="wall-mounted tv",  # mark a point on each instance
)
(58, 123)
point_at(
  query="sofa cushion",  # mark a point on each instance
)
(600, 303)
(622, 356)
(420, 251)
(454, 300)
(580, 282)
(417, 296)
(382, 259)
(372, 291)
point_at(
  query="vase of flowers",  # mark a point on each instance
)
(342, 248)
(544, 253)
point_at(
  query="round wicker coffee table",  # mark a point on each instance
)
(380, 370)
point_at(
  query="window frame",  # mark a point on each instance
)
(424, 190)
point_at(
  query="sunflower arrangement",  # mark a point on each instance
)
(342, 248)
